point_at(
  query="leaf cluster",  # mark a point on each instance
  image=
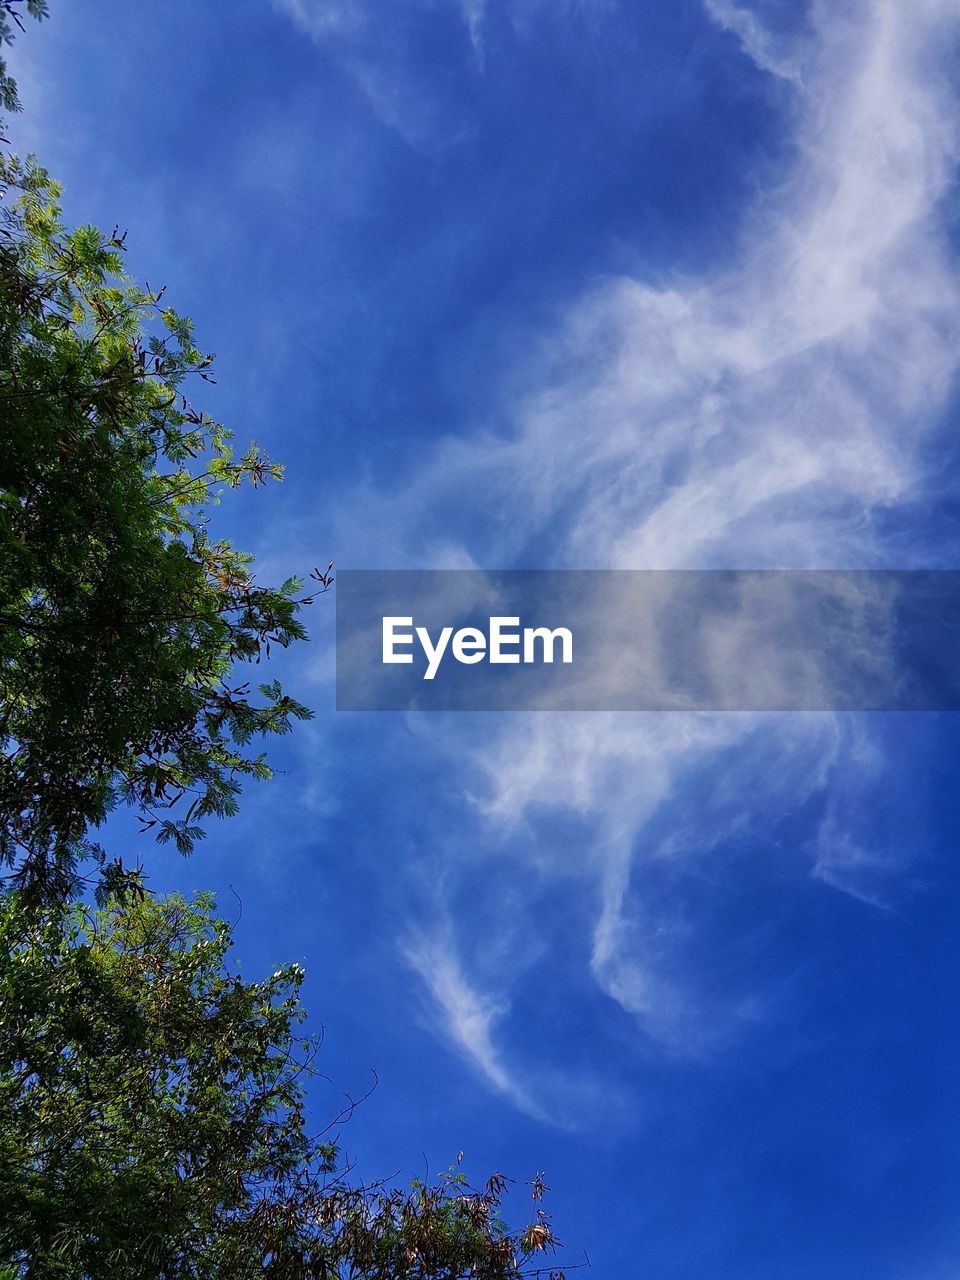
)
(10, 22)
(152, 1120)
(121, 618)
(152, 1101)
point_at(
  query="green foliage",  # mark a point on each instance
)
(121, 619)
(10, 11)
(152, 1102)
(152, 1120)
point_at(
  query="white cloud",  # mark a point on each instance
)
(757, 418)
(469, 1017)
(474, 13)
(324, 19)
(758, 43)
(374, 51)
(374, 47)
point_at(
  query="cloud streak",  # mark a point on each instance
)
(469, 1017)
(758, 44)
(377, 49)
(760, 417)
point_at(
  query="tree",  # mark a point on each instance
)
(152, 1103)
(121, 618)
(152, 1120)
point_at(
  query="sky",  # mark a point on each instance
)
(581, 284)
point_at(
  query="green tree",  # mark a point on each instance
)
(152, 1120)
(121, 618)
(152, 1103)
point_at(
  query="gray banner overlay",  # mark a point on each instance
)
(648, 640)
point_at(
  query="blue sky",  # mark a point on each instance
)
(582, 283)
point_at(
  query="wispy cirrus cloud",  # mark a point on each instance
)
(324, 19)
(770, 414)
(469, 1016)
(759, 44)
(389, 50)
(377, 46)
(760, 417)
